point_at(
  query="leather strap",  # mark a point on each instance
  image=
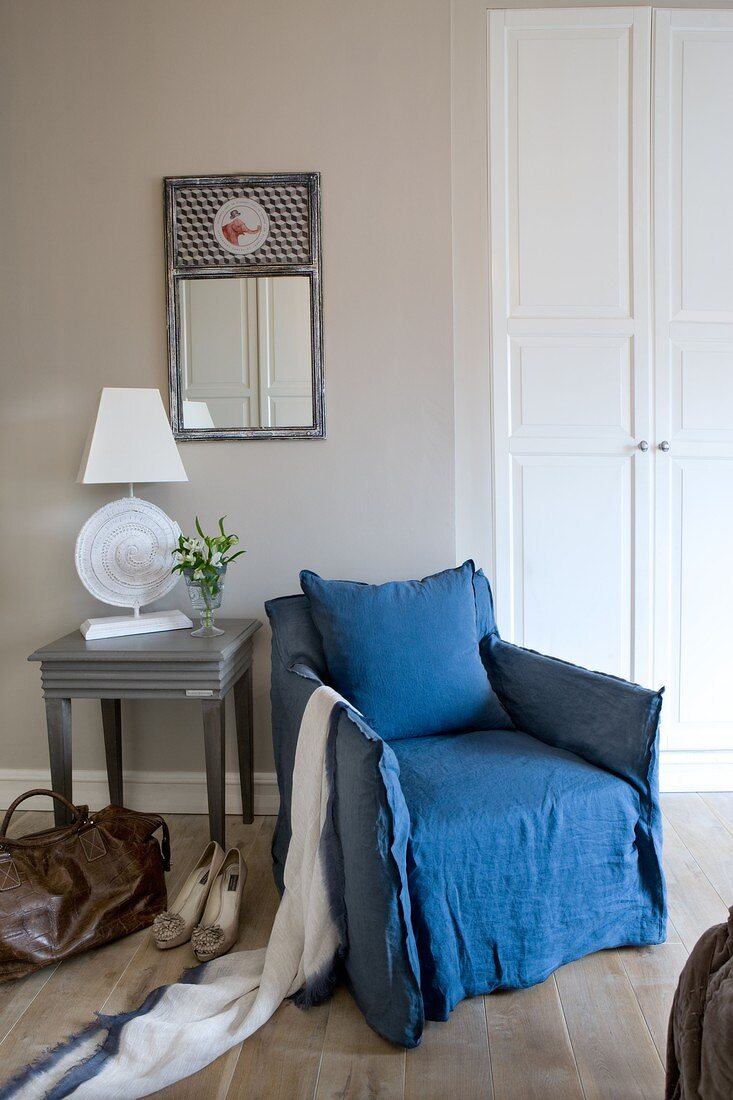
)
(29, 794)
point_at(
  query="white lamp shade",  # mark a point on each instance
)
(131, 440)
(196, 415)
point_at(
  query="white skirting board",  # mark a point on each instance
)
(695, 770)
(159, 792)
(185, 792)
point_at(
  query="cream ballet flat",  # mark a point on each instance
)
(175, 925)
(219, 927)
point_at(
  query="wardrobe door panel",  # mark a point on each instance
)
(572, 517)
(571, 386)
(569, 102)
(693, 260)
(569, 182)
(701, 154)
(702, 598)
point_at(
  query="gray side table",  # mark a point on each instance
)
(168, 665)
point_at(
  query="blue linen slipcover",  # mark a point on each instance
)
(481, 860)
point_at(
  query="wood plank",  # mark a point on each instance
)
(613, 1049)
(616, 1003)
(80, 986)
(357, 1063)
(531, 1055)
(453, 1060)
(706, 838)
(259, 904)
(280, 1061)
(654, 973)
(721, 803)
(15, 999)
(693, 903)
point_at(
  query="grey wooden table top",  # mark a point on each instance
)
(169, 645)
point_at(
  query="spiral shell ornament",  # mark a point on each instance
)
(124, 553)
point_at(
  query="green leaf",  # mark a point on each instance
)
(221, 527)
(198, 528)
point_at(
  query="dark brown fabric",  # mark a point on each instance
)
(700, 1038)
(65, 890)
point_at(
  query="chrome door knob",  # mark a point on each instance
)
(664, 446)
(644, 446)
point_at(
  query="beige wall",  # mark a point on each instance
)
(99, 100)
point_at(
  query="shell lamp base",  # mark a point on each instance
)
(119, 626)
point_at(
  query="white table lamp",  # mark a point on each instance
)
(196, 414)
(124, 551)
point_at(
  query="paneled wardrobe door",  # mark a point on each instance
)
(569, 137)
(693, 262)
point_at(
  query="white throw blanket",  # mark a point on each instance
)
(183, 1027)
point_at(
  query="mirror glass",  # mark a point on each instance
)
(246, 352)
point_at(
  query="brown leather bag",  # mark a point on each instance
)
(67, 889)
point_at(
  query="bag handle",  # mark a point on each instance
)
(29, 794)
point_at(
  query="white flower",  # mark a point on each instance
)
(216, 558)
(198, 574)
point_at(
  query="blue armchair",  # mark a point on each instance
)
(484, 859)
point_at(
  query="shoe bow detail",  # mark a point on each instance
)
(206, 940)
(167, 926)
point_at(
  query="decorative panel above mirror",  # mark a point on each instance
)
(244, 306)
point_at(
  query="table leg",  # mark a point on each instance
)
(213, 713)
(58, 723)
(112, 727)
(245, 748)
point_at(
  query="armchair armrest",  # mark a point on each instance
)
(607, 721)
(372, 826)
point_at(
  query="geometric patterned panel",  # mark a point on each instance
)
(286, 206)
(92, 844)
(9, 877)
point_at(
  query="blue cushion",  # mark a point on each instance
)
(522, 857)
(406, 653)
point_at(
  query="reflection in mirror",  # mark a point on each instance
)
(246, 352)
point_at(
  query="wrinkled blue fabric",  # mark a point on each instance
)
(522, 856)
(484, 859)
(372, 826)
(406, 653)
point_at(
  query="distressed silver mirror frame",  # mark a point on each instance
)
(187, 259)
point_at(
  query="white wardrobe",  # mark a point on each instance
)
(611, 253)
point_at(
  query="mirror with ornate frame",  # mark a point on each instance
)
(244, 306)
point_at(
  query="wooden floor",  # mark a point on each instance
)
(595, 1029)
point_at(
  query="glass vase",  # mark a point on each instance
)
(205, 593)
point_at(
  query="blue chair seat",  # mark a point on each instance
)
(522, 856)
